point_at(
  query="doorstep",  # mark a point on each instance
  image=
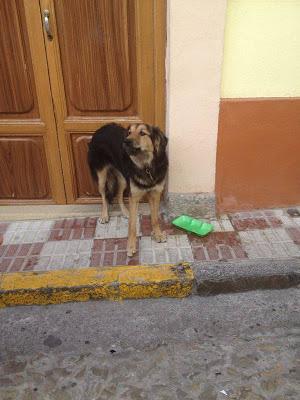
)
(27, 212)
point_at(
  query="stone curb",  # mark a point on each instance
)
(240, 276)
(138, 282)
(113, 283)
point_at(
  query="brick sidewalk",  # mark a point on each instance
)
(83, 242)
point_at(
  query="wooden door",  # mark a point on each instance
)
(30, 166)
(106, 63)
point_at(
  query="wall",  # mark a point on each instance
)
(262, 49)
(259, 125)
(195, 48)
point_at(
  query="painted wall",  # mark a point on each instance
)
(262, 49)
(259, 122)
(258, 154)
(195, 48)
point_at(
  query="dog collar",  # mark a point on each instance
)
(148, 172)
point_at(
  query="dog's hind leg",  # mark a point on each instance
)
(154, 200)
(121, 188)
(102, 176)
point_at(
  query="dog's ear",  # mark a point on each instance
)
(160, 140)
(164, 140)
(128, 128)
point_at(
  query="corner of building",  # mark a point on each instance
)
(195, 32)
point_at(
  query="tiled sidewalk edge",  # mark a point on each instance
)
(214, 278)
(113, 283)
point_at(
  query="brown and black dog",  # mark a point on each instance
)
(135, 158)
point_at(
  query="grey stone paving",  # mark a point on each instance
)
(176, 249)
(28, 232)
(269, 243)
(116, 228)
(65, 254)
(222, 224)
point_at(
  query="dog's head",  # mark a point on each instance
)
(144, 142)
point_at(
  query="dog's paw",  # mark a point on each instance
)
(131, 251)
(159, 237)
(125, 213)
(104, 219)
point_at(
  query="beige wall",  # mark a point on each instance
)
(195, 47)
(259, 135)
(262, 51)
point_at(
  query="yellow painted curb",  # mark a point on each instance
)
(114, 283)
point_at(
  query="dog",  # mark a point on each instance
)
(133, 158)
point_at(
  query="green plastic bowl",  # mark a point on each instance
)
(193, 225)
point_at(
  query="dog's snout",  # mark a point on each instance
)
(127, 141)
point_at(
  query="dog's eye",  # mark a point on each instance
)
(143, 133)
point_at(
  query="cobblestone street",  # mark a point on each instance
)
(252, 369)
(238, 347)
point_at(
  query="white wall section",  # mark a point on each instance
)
(195, 51)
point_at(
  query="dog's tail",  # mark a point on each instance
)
(91, 157)
(111, 185)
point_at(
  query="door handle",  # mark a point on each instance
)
(46, 19)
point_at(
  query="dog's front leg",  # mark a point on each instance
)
(154, 200)
(133, 210)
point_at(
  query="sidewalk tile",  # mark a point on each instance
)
(176, 249)
(27, 232)
(116, 228)
(111, 252)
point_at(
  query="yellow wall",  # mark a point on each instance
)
(262, 49)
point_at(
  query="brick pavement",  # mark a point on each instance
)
(84, 242)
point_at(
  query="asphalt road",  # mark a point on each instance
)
(243, 346)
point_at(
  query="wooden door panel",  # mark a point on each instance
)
(85, 186)
(23, 172)
(17, 89)
(106, 63)
(30, 166)
(96, 60)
